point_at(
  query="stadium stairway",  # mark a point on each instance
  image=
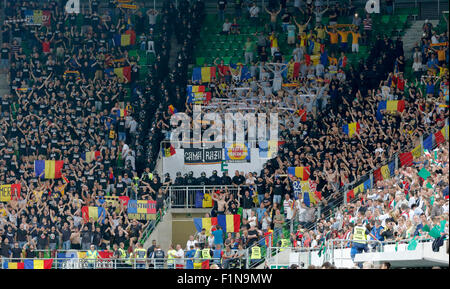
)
(413, 35)
(162, 232)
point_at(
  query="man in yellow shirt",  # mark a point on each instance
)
(355, 40)
(440, 54)
(344, 39)
(273, 42)
(334, 36)
(320, 31)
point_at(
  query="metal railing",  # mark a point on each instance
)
(153, 223)
(185, 196)
(306, 253)
(117, 263)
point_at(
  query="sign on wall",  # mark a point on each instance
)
(195, 156)
(237, 152)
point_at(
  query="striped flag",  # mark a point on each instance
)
(198, 94)
(92, 212)
(170, 151)
(229, 223)
(49, 169)
(205, 223)
(123, 73)
(172, 110)
(203, 74)
(300, 172)
(350, 128)
(390, 106)
(38, 264)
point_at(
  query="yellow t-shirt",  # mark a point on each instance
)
(320, 33)
(333, 37)
(344, 36)
(303, 40)
(441, 55)
(273, 41)
(315, 59)
(316, 49)
(355, 37)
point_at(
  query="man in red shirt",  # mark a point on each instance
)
(45, 43)
(224, 70)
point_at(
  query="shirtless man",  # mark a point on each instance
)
(273, 18)
(222, 205)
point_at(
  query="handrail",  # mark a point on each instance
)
(149, 229)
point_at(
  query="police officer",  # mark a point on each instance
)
(123, 256)
(359, 237)
(179, 181)
(140, 255)
(167, 179)
(214, 180)
(203, 180)
(155, 174)
(226, 180)
(190, 180)
(92, 256)
(147, 176)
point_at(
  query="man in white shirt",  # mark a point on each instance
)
(125, 149)
(179, 255)
(190, 242)
(226, 27)
(254, 13)
(288, 204)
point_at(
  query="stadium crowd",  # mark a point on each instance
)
(64, 103)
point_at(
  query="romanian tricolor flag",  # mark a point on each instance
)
(205, 223)
(202, 265)
(229, 223)
(123, 73)
(406, 159)
(90, 156)
(309, 198)
(299, 172)
(170, 151)
(390, 106)
(269, 149)
(91, 212)
(203, 74)
(198, 94)
(350, 128)
(172, 109)
(38, 264)
(13, 265)
(48, 169)
(385, 172)
(121, 112)
(10, 192)
(293, 70)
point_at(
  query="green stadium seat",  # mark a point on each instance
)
(200, 61)
(226, 60)
(385, 19)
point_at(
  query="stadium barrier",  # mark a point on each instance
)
(336, 251)
(186, 196)
(114, 263)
